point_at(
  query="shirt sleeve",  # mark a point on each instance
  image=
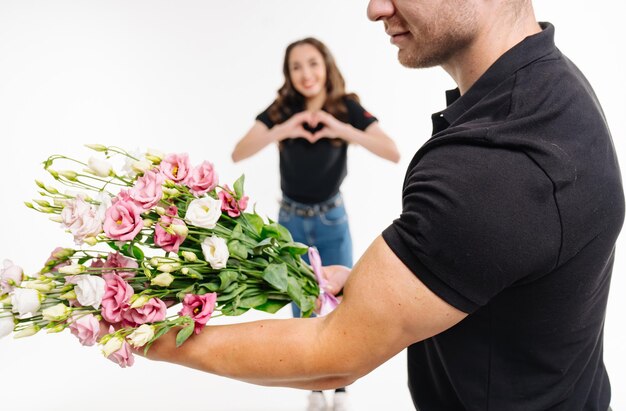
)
(358, 117)
(476, 220)
(264, 118)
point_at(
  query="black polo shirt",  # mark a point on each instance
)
(313, 173)
(510, 213)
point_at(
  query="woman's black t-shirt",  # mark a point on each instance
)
(312, 173)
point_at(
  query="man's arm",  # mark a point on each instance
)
(385, 308)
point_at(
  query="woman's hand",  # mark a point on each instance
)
(333, 128)
(294, 127)
(336, 277)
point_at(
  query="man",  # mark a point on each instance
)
(496, 275)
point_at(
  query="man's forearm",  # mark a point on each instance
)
(270, 352)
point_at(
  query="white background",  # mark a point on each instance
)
(190, 76)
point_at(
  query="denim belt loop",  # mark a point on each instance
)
(311, 210)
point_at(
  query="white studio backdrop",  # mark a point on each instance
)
(190, 76)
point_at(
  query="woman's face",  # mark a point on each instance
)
(307, 70)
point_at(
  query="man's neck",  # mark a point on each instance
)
(491, 42)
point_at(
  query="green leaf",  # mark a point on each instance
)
(277, 231)
(208, 288)
(233, 310)
(137, 253)
(253, 301)
(238, 186)
(295, 248)
(237, 249)
(306, 302)
(232, 294)
(255, 221)
(226, 278)
(184, 334)
(271, 306)
(276, 275)
(237, 232)
(113, 245)
(83, 260)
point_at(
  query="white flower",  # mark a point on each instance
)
(82, 219)
(99, 167)
(56, 312)
(10, 275)
(89, 289)
(6, 325)
(204, 212)
(163, 280)
(25, 301)
(215, 251)
(112, 345)
(141, 336)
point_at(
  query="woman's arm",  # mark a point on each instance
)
(374, 139)
(260, 136)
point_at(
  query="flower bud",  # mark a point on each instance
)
(42, 203)
(69, 174)
(168, 267)
(96, 147)
(27, 332)
(57, 312)
(147, 223)
(73, 269)
(189, 256)
(141, 166)
(99, 167)
(53, 173)
(56, 218)
(137, 301)
(163, 280)
(90, 241)
(141, 336)
(112, 345)
(29, 205)
(51, 190)
(160, 210)
(39, 285)
(180, 229)
(56, 329)
(70, 295)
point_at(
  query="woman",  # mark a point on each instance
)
(313, 120)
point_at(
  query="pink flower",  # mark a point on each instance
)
(123, 220)
(117, 260)
(86, 328)
(148, 190)
(10, 276)
(230, 204)
(171, 239)
(124, 356)
(199, 308)
(152, 311)
(116, 298)
(175, 167)
(202, 179)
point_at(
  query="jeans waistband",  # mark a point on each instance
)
(310, 210)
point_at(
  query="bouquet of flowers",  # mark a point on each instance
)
(157, 233)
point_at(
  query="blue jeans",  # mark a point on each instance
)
(329, 231)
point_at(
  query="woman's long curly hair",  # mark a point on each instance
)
(289, 100)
